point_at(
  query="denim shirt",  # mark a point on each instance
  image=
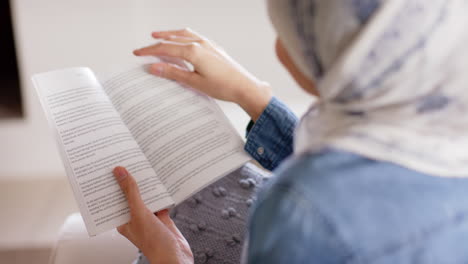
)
(338, 207)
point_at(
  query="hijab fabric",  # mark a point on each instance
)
(392, 75)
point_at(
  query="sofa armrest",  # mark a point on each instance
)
(75, 246)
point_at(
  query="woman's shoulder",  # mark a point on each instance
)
(327, 170)
(343, 177)
(289, 223)
(347, 206)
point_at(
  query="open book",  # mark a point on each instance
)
(173, 140)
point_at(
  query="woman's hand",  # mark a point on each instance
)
(154, 234)
(215, 73)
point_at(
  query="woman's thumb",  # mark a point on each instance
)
(130, 188)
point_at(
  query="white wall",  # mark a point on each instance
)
(101, 34)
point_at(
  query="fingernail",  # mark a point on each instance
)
(136, 52)
(158, 69)
(120, 173)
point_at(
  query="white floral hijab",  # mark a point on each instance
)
(392, 74)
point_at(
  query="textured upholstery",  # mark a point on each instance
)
(214, 220)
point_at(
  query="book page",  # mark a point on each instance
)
(93, 140)
(185, 136)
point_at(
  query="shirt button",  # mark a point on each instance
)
(260, 150)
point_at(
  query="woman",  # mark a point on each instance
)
(377, 172)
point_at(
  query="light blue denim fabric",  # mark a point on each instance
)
(270, 139)
(339, 207)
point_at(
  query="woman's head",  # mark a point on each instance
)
(364, 45)
(390, 74)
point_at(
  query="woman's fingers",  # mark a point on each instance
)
(192, 52)
(186, 32)
(176, 73)
(130, 188)
(183, 40)
(189, 52)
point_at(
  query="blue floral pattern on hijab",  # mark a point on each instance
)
(364, 9)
